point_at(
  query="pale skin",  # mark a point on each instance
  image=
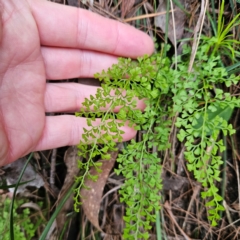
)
(41, 40)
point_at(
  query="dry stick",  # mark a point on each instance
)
(209, 232)
(116, 7)
(174, 230)
(174, 34)
(227, 213)
(238, 181)
(180, 164)
(168, 208)
(197, 29)
(148, 22)
(236, 168)
(193, 14)
(147, 16)
(102, 11)
(111, 191)
(175, 53)
(195, 192)
(229, 225)
(224, 203)
(53, 168)
(172, 131)
(104, 217)
(219, 237)
(236, 235)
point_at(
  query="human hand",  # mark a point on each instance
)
(41, 40)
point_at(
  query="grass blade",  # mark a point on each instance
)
(214, 14)
(179, 4)
(14, 195)
(158, 226)
(233, 68)
(4, 187)
(56, 212)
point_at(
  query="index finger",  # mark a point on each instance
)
(64, 26)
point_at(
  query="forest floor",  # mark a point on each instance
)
(182, 214)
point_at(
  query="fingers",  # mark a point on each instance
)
(68, 97)
(67, 130)
(63, 63)
(63, 26)
(0, 23)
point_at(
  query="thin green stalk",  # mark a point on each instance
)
(4, 187)
(224, 181)
(213, 13)
(213, 23)
(14, 196)
(141, 173)
(233, 68)
(138, 21)
(56, 212)
(233, 7)
(158, 226)
(179, 4)
(155, 10)
(64, 229)
(87, 164)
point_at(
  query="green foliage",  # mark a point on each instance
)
(23, 226)
(203, 110)
(145, 78)
(223, 42)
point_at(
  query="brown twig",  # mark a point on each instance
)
(197, 33)
(168, 208)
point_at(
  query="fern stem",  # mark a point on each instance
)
(224, 182)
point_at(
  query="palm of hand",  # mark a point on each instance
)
(22, 79)
(38, 43)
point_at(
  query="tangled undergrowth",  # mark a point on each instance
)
(179, 177)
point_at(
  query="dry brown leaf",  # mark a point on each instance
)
(126, 7)
(179, 17)
(30, 176)
(92, 197)
(34, 206)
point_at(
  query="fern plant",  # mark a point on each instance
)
(203, 106)
(195, 97)
(23, 227)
